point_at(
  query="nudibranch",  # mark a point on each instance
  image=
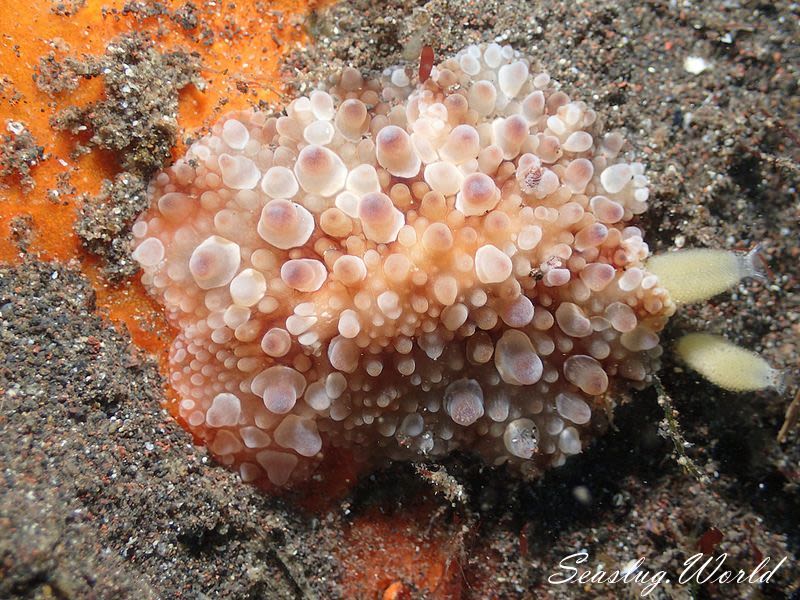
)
(406, 269)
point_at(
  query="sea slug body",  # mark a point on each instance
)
(405, 270)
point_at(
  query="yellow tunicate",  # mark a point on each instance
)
(727, 365)
(693, 275)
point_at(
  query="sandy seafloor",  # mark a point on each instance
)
(102, 495)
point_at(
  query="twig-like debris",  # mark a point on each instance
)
(792, 414)
(669, 428)
(443, 483)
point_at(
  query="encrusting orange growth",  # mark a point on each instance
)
(35, 32)
(389, 552)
